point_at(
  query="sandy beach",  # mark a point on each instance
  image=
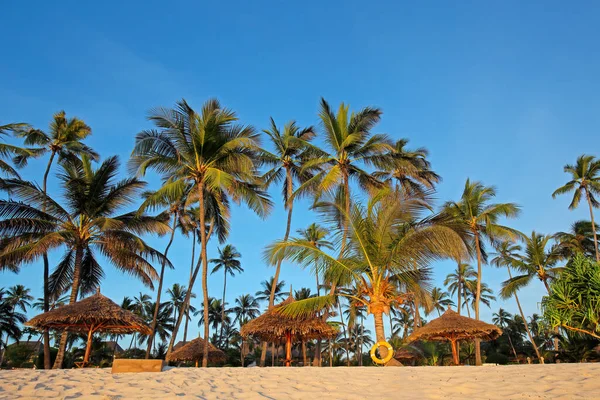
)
(563, 381)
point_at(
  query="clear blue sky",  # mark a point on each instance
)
(505, 93)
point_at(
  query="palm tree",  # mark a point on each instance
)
(164, 322)
(88, 225)
(486, 296)
(387, 238)
(351, 145)
(585, 179)
(218, 158)
(502, 319)
(265, 294)
(481, 217)
(19, 297)
(580, 239)
(302, 294)
(217, 315)
(246, 308)
(506, 256)
(64, 141)
(176, 298)
(228, 261)
(18, 153)
(54, 302)
(456, 281)
(9, 322)
(316, 235)
(440, 301)
(139, 306)
(410, 169)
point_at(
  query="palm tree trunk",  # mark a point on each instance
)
(187, 305)
(204, 256)
(304, 362)
(380, 333)
(289, 205)
(47, 361)
(593, 225)
(72, 299)
(537, 351)
(459, 295)
(223, 305)
(317, 355)
(345, 335)
(555, 340)
(159, 290)
(417, 316)
(478, 297)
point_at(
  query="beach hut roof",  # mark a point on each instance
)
(96, 312)
(452, 326)
(405, 354)
(194, 350)
(273, 326)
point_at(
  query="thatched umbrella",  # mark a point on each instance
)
(92, 314)
(194, 350)
(273, 326)
(453, 327)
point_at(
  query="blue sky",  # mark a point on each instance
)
(504, 93)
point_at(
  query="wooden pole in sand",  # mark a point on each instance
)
(454, 352)
(88, 347)
(288, 349)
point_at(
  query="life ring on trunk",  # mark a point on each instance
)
(387, 358)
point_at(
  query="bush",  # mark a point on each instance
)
(496, 358)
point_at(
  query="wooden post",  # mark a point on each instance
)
(454, 352)
(88, 348)
(288, 349)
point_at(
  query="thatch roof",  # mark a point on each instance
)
(452, 326)
(272, 326)
(404, 354)
(96, 311)
(194, 350)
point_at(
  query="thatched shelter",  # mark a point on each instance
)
(96, 313)
(273, 326)
(453, 327)
(194, 351)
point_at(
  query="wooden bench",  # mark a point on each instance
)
(122, 365)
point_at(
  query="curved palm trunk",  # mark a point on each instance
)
(593, 225)
(478, 298)
(223, 306)
(360, 345)
(290, 205)
(62, 346)
(529, 335)
(187, 304)
(204, 257)
(380, 332)
(47, 361)
(159, 290)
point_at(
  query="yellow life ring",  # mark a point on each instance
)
(387, 358)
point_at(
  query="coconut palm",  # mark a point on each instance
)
(54, 302)
(476, 211)
(19, 297)
(87, 226)
(216, 315)
(164, 322)
(316, 235)
(486, 297)
(456, 281)
(18, 153)
(265, 293)
(579, 240)
(506, 256)
(218, 158)
(440, 301)
(502, 319)
(245, 309)
(585, 180)
(229, 263)
(409, 169)
(176, 298)
(10, 320)
(63, 140)
(387, 238)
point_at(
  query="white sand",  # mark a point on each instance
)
(563, 381)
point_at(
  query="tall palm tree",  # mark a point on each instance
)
(229, 263)
(410, 170)
(164, 322)
(440, 301)
(215, 313)
(579, 239)
(502, 319)
(88, 225)
(585, 179)
(245, 309)
(10, 150)
(302, 294)
(269, 287)
(19, 296)
(9, 322)
(292, 150)
(486, 295)
(176, 298)
(316, 235)
(63, 140)
(475, 210)
(387, 238)
(506, 256)
(456, 281)
(217, 157)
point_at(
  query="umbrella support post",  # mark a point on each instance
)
(454, 352)
(88, 347)
(288, 349)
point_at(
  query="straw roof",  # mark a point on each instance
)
(404, 354)
(272, 326)
(452, 326)
(194, 350)
(96, 311)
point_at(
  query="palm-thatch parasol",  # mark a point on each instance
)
(194, 350)
(92, 314)
(453, 327)
(273, 326)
